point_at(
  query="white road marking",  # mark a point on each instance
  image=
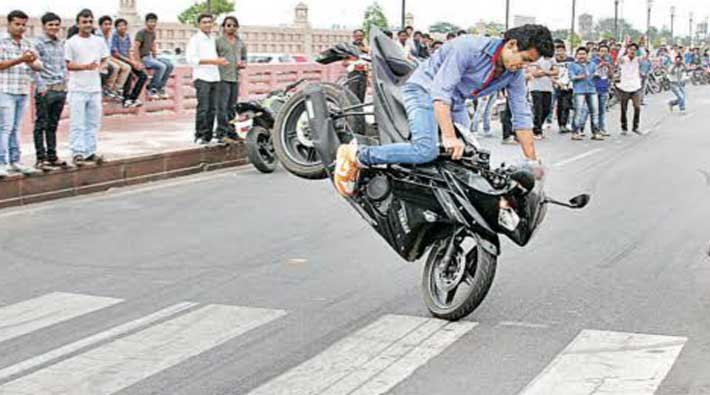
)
(578, 157)
(28, 316)
(92, 340)
(609, 363)
(126, 361)
(371, 361)
(523, 325)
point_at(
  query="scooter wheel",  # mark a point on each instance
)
(260, 150)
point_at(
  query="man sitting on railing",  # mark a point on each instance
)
(435, 97)
(146, 48)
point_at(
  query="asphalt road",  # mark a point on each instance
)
(237, 282)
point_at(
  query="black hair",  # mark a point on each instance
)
(437, 42)
(678, 57)
(633, 45)
(151, 16)
(358, 31)
(203, 16)
(461, 32)
(561, 45)
(419, 33)
(104, 19)
(388, 33)
(17, 14)
(557, 41)
(427, 35)
(50, 17)
(581, 49)
(400, 32)
(85, 13)
(119, 21)
(604, 46)
(532, 36)
(230, 18)
(591, 42)
(408, 27)
(450, 35)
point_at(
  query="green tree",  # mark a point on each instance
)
(443, 27)
(604, 28)
(218, 7)
(374, 16)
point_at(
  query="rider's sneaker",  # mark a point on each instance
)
(346, 169)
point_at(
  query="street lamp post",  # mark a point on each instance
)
(616, 20)
(690, 29)
(209, 6)
(648, 23)
(672, 22)
(507, 14)
(571, 34)
(404, 13)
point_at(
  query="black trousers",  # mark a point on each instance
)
(206, 109)
(49, 110)
(542, 101)
(141, 78)
(506, 120)
(635, 98)
(564, 106)
(358, 84)
(227, 97)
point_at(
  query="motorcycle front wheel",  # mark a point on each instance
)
(260, 150)
(454, 290)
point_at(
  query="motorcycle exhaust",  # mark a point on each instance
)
(576, 203)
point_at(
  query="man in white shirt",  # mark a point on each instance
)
(202, 56)
(629, 87)
(86, 55)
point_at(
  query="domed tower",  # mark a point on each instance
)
(301, 20)
(127, 10)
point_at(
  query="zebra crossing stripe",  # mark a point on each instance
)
(609, 363)
(28, 316)
(128, 360)
(371, 361)
(92, 340)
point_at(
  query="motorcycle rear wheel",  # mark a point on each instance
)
(449, 302)
(260, 150)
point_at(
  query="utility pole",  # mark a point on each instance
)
(404, 13)
(571, 30)
(672, 23)
(507, 14)
(690, 29)
(209, 6)
(648, 23)
(616, 20)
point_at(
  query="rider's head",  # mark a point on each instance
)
(581, 54)
(526, 44)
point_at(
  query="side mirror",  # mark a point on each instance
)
(580, 201)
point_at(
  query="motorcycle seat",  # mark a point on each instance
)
(393, 56)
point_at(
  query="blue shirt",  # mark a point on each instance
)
(586, 85)
(120, 46)
(463, 68)
(601, 77)
(54, 67)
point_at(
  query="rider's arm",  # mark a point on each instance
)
(522, 116)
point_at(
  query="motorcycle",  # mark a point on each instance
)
(455, 210)
(254, 122)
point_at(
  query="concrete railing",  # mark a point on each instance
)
(256, 80)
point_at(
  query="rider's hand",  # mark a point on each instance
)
(454, 146)
(535, 167)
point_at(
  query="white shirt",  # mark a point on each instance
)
(202, 47)
(85, 50)
(630, 74)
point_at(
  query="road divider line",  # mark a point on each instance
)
(31, 315)
(609, 363)
(372, 360)
(63, 351)
(128, 360)
(578, 157)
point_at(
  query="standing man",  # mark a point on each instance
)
(541, 89)
(146, 49)
(602, 76)
(232, 48)
(202, 56)
(120, 50)
(585, 95)
(17, 60)
(630, 87)
(357, 70)
(50, 92)
(86, 54)
(563, 88)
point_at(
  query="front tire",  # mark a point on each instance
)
(260, 150)
(445, 302)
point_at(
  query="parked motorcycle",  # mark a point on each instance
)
(254, 122)
(456, 210)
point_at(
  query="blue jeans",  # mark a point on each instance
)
(85, 113)
(552, 106)
(602, 100)
(423, 146)
(485, 107)
(586, 104)
(678, 90)
(161, 72)
(12, 109)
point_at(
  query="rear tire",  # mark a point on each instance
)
(292, 141)
(260, 150)
(477, 281)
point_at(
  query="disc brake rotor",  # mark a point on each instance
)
(448, 277)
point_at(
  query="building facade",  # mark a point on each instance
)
(520, 20)
(586, 26)
(297, 38)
